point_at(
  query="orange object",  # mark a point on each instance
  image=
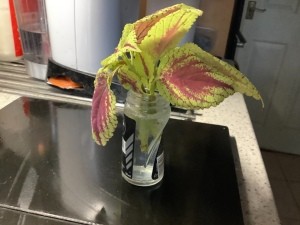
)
(63, 82)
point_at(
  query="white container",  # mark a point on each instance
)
(83, 32)
(10, 45)
(32, 21)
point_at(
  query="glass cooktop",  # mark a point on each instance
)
(51, 172)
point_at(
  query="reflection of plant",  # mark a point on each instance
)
(147, 60)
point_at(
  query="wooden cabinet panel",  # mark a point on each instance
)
(217, 15)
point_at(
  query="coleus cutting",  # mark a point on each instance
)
(147, 60)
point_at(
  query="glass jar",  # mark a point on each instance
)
(145, 117)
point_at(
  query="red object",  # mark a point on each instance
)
(16, 36)
(29, 5)
(63, 82)
(26, 107)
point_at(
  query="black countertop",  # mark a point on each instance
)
(51, 172)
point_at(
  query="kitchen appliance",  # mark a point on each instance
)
(32, 21)
(82, 33)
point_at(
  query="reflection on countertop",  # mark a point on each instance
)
(51, 167)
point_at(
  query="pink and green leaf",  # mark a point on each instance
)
(143, 25)
(188, 81)
(128, 41)
(144, 66)
(137, 73)
(224, 71)
(130, 79)
(103, 115)
(162, 31)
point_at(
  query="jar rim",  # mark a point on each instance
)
(144, 96)
(145, 100)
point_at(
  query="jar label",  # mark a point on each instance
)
(155, 157)
(158, 168)
(128, 140)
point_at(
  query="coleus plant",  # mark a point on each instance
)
(147, 60)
